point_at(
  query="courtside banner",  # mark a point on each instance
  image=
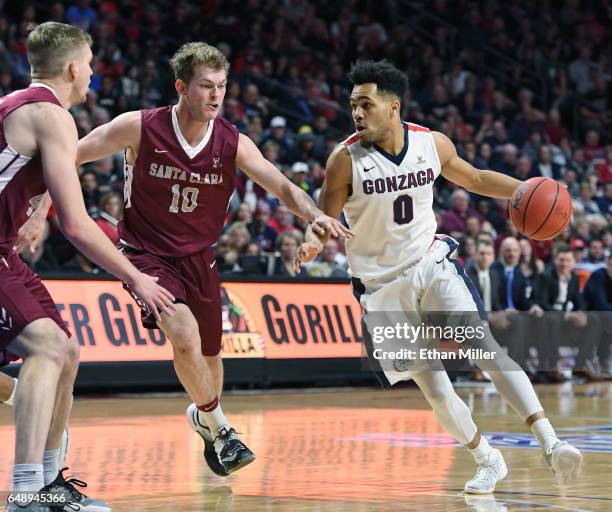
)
(302, 320)
(272, 320)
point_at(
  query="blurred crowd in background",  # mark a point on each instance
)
(521, 87)
(541, 110)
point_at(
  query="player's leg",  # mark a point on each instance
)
(452, 290)
(61, 413)
(8, 385)
(196, 376)
(215, 363)
(455, 416)
(204, 299)
(182, 329)
(40, 303)
(42, 346)
(406, 294)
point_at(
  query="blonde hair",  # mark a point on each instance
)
(51, 45)
(190, 55)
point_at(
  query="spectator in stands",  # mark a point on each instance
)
(594, 152)
(605, 202)
(91, 194)
(509, 160)
(232, 112)
(580, 70)
(489, 288)
(226, 255)
(308, 147)
(110, 213)
(546, 167)
(598, 297)
(453, 221)
(472, 227)
(597, 105)
(252, 102)
(529, 264)
(299, 176)
(326, 265)
(287, 245)
(596, 253)
(239, 237)
(553, 128)
(513, 296)
(82, 15)
(278, 133)
(282, 221)
(524, 168)
(253, 261)
(577, 246)
(558, 292)
(243, 213)
(570, 178)
(585, 204)
(259, 229)
(467, 250)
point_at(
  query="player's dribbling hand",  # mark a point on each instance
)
(306, 252)
(154, 296)
(30, 234)
(324, 225)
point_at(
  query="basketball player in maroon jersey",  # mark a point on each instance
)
(179, 176)
(38, 148)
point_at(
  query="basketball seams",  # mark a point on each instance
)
(543, 180)
(548, 215)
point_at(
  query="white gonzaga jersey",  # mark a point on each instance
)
(390, 209)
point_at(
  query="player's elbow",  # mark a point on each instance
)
(73, 229)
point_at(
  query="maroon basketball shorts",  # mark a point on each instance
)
(23, 299)
(194, 281)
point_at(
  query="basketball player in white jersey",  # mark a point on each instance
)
(382, 176)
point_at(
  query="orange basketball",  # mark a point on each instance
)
(540, 208)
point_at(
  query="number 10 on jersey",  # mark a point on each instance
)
(189, 199)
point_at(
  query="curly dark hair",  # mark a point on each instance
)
(388, 79)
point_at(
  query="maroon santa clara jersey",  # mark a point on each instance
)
(176, 196)
(21, 177)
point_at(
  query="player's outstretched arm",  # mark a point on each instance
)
(121, 133)
(457, 170)
(334, 193)
(56, 139)
(260, 170)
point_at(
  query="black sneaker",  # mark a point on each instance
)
(232, 452)
(76, 500)
(210, 454)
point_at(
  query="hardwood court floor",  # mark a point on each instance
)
(340, 450)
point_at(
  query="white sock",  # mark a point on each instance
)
(28, 478)
(545, 433)
(482, 451)
(51, 465)
(12, 397)
(214, 417)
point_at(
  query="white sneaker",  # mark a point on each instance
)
(488, 474)
(210, 454)
(564, 461)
